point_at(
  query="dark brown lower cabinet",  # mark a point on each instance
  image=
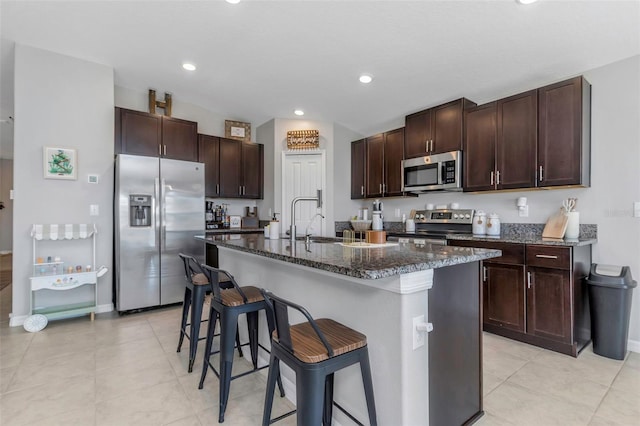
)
(503, 299)
(537, 294)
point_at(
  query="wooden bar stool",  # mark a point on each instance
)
(195, 290)
(315, 350)
(227, 305)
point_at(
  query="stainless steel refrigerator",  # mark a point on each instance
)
(159, 208)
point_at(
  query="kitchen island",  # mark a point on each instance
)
(382, 292)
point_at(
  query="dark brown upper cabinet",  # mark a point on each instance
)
(209, 154)
(241, 169)
(376, 165)
(517, 136)
(564, 133)
(233, 169)
(385, 152)
(393, 156)
(500, 144)
(479, 158)
(141, 133)
(436, 130)
(358, 168)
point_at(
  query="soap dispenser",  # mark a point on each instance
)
(274, 227)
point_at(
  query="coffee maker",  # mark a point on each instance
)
(377, 217)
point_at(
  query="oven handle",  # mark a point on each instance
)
(420, 241)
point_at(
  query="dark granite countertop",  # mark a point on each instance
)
(527, 239)
(234, 231)
(366, 263)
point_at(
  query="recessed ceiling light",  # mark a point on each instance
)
(189, 67)
(298, 112)
(233, 1)
(526, 1)
(365, 78)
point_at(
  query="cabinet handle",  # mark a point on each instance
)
(217, 188)
(540, 170)
(165, 150)
(491, 178)
(159, 149)
(484, 274)
(432, 145)
(546, 256)
(240, 190)
(244, 190)
(426, 145)
(384, 188)
(381, 188)
(528, 279)
(498, 177)
(362, 190)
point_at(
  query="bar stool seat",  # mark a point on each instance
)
(308, 347)
(226, 306)
(314, 350)
(196, 287)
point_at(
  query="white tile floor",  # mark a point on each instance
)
(125, 370)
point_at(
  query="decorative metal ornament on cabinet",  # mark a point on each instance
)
(303, 139)
(153, 104)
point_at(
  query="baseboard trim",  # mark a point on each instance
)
(17, 320)
(633, 346)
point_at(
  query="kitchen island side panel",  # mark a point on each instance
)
(455, 345)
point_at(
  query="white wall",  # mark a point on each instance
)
(265, 134)
(61, 102)
(615, 179)
(278, 141)
(6, 214)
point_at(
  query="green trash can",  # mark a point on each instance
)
(610, 291)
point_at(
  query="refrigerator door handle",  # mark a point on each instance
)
(163, 215)
(156, 213)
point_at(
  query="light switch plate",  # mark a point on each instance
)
(636, 209)
(93, 178)
(418, 336)
(94, 210)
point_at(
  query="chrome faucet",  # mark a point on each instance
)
(292, 227)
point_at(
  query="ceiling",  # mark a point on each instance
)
(262, 59)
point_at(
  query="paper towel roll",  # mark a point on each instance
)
(573, 225)
(274, 230)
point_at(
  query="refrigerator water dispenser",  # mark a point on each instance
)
(139, 210)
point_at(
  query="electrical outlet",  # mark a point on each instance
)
(418, 336)
(523, 211)
(397, 212)
(94, 210)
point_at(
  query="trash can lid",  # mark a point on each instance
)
(611, 276)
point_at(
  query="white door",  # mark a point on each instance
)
(303, 175)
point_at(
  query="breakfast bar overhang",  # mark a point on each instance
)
(382, 292)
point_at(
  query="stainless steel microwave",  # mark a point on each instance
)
(439, 172)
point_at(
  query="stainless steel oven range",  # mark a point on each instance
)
(433, 226)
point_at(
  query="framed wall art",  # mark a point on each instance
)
(60, 163)
(237, 130)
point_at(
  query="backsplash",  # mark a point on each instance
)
(587, 231)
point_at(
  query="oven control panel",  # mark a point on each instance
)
(461, 216)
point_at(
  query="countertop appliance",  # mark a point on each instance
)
(158, 210)
(433, 173)
(433, 226)
(377, 222)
